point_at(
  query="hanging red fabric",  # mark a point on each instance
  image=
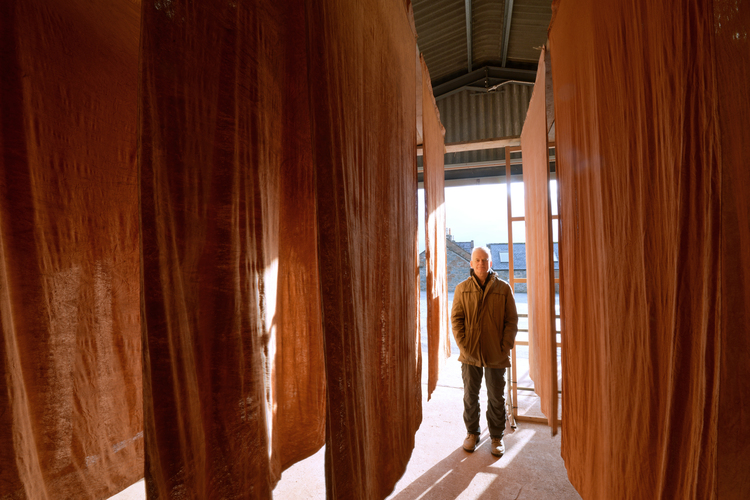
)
(71, 418)
(436, 280)
(650, 144)
(540, 250)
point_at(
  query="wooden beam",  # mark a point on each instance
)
(459, 147)
(535, 420)
(468, 33)
(482, 75)
(506, 28)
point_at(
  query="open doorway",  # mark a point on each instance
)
(490, 211)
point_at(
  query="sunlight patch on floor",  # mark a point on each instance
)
(520, 439)
(478, 485)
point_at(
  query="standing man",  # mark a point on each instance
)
(485, 323)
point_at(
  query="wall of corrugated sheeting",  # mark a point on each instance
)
(472, 115)
(652, 143)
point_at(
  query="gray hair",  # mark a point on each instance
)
(489, 254)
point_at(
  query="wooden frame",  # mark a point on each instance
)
(512, 385)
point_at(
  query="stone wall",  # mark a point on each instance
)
(458, 270)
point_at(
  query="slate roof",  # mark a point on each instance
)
(519, 255)
(457, 247)
(464, 248)
(468, 246)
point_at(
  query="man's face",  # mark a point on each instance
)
(481, 263)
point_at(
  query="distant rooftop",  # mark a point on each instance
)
(500, 255)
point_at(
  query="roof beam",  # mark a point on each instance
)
(468, 32)
(460, 147)
(522, 75)
(506, 28)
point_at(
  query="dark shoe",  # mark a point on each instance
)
(471, 441)
(498, 447)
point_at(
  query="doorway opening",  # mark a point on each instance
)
(490, 211)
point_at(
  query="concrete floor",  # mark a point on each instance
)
(439, 468)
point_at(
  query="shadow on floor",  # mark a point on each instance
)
(456, 475)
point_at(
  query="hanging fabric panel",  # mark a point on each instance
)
(362, 87)
(234, 387)
(732, 46)
(438, 341)
(539, 250)
(71, 418)
(648, 106)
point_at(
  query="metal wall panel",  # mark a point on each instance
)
(471, 116)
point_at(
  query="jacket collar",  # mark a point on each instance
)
(490, 276)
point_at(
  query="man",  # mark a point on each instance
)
(485, 323)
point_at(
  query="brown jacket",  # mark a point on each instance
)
(484, 324)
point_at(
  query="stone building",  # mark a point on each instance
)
(501, 262)
(459, 258)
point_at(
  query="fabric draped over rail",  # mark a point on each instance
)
(652, 144)
(438, 330)
(71, 416)
(539, 249)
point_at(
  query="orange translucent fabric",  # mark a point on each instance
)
(731, 26)
(232, 329)
(438, 331)
(651, 142)
(208, 204)
(363, 93)
(539, 251)
(71, 418)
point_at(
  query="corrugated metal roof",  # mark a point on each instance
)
(528, 29)
(441, 36)
(487, 32)
(467, 112)
(441, 30)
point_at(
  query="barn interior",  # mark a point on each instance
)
(209, 271)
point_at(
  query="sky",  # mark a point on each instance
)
(480, 213)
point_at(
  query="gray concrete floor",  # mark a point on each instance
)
(440, 469)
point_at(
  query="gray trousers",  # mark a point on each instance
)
(495, 379)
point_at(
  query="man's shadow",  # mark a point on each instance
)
(452, 475)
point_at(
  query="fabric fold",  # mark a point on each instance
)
(539, 250)
(362, 94)
(71, 419)
(438, 321)
(232, 332)
(648, 153)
